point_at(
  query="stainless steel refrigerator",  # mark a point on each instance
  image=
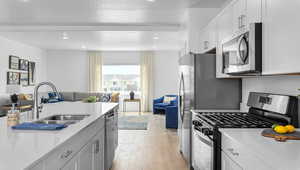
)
(200, 89)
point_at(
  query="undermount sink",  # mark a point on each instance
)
(62, 119)
(68, 122)
(66, 117)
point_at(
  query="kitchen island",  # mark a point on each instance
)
(50, 150)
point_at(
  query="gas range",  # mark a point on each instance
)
(264, 111)
(233, 120)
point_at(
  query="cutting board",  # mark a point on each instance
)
(280, 137)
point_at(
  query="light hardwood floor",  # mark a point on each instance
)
(152, 149)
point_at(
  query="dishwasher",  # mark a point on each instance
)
(111, 138)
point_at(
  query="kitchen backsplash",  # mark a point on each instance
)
(271, 84)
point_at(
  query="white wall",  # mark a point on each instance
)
(166, 68)
(68, 69)
(37, 55)
(271, 84)
(121, 57)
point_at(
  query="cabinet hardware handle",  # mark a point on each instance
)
(66, 154)
(242, 21)
(97, 146)
(231, 150)
(239, 22)
(206, 43)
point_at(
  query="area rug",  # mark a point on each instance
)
(133, 122)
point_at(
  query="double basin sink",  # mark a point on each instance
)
(62, 119)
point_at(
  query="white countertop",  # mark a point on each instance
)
(21, 148)
(221, 110)
(279, 155)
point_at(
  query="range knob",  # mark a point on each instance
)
(207, 132)
(196, 123)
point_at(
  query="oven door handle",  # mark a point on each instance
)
(209, 143)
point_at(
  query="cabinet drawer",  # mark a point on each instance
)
(61, 155)
(243, 156)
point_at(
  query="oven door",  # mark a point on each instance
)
(202, 153)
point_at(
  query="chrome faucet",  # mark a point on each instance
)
(36, 107)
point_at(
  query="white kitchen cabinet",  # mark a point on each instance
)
(98, 156)
(208, 37)
(225, 24)
(203, 40)
(229, 164)
(71, 165)
(236, 155)
(253, 12)
(84, 151)
(39, 166)
(85, 157)
(244, 13)
(239, 16)
(224, 33)
(280, 37)
(212, 31)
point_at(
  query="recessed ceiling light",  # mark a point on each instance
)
(65, 36)
(155, 38)
(83, 47)
(151, 0)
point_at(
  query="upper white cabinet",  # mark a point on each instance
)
(239, 16)
(224, 33)
(236, 17)
(281, 37)
(233, 20)
(253, 12)
(208, 37)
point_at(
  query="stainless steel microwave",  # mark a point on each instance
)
(243, 54)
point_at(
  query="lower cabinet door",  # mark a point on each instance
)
(229, 164)
(98, 156)
(85, 157)
(71, 165)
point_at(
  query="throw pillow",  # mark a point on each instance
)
(168, 99)
(105, 97)
(115, 97)
(90, 99)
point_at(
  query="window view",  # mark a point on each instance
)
(121, 78)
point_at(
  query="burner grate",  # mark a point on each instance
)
(234, 120)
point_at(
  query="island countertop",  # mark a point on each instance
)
(21, 148)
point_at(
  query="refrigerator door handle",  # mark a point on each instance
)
(182, 97)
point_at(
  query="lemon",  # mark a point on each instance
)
(290, 128)
(274, 126)
(280, 129)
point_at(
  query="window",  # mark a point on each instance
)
(121, 78)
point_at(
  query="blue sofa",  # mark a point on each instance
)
(170, 110)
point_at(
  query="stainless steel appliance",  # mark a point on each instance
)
(243, 54)
(199, 89)
(265, 110)
(111, 133)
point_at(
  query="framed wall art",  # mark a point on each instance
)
(31, 73)
(13, 62)
(23, 64)
(13, 78)
(24, 80)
